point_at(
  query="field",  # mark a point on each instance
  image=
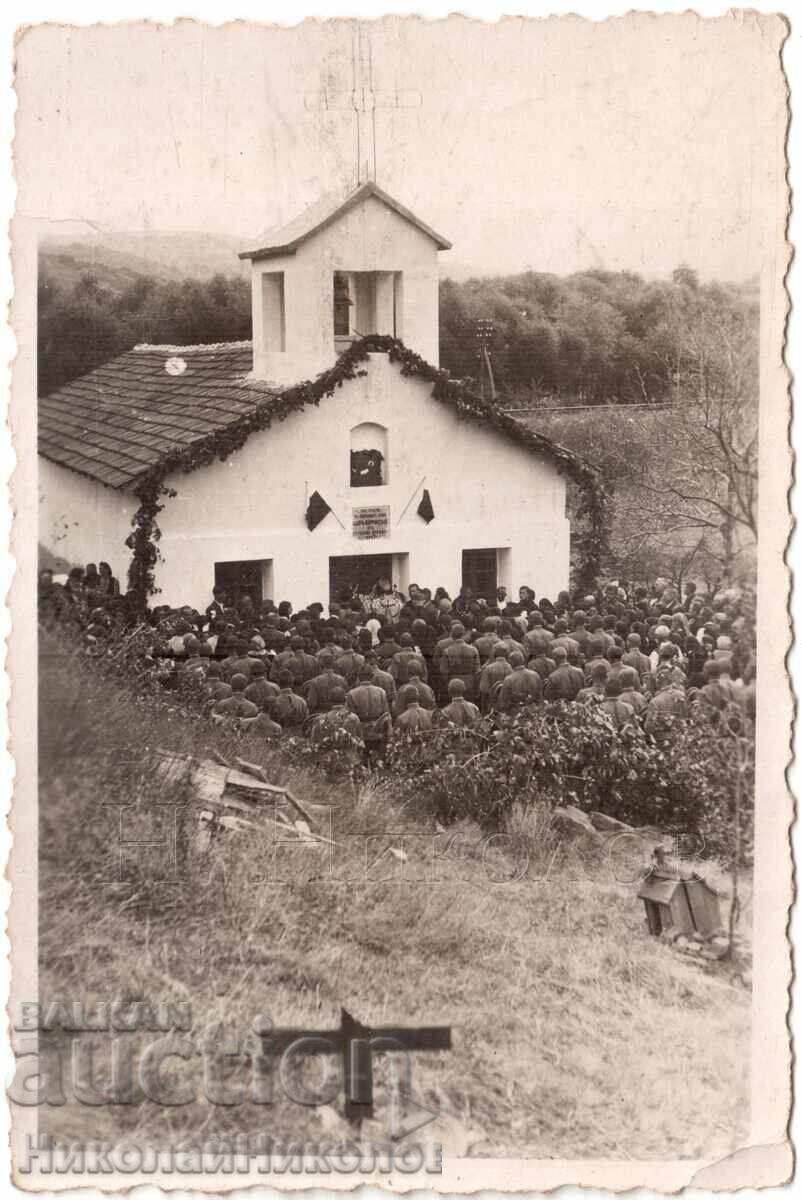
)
(575, 1034)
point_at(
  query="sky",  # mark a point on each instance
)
(638, 143)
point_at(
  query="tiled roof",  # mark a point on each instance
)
(115, 423)
(287, 238)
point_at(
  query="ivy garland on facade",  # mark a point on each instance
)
(590, 541)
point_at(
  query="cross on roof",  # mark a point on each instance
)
(362, 99)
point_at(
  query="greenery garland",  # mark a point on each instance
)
(590, 542)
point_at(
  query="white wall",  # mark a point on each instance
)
(83, 521)
(486, 490)
(369, 237)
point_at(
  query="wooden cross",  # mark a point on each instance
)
(362, 99)
(356, 1044)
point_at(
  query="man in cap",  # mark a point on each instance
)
(236, 705)
(413, 719)
(369, 702)
(520, 688)
(493, 675)
(320, 689)
(630, 690)
(538, 639)
(459, 711)
(594, 693)
(669, 705)
(262, 725)
(260, 689)
(619, 712)
(459, 660)
(287, 708)
(634, 656)
(399, 664)
(380, 677)
(487, 639)
(562, 683)
(339, 729)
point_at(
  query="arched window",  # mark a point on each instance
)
(368, 455)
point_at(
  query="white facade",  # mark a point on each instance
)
(82, 521)
(499, 509)
(487, 491)
(293, 293)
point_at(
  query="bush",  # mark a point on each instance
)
(571, 754)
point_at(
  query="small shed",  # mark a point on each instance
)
(682, 901)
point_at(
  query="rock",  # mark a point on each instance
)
(746, 978)
(574, 821)
(720, 943)
(607, 824)
(682, 942)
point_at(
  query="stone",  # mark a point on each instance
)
(607, 824)
(682, 942)
(574, 821)
(720, 943)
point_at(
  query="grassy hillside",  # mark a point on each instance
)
(575, 1034)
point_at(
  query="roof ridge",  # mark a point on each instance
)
(248, 344)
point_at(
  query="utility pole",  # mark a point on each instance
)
(484, 333)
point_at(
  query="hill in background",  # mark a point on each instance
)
(119, 259)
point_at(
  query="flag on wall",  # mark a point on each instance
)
(316, 510)
(425, 509)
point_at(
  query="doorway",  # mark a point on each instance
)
(480, 573)
(249, 577)
(356, 574)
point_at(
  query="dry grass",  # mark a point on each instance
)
(575, 1034)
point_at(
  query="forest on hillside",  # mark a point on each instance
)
(592, 337)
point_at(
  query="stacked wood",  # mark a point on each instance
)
(237, 799)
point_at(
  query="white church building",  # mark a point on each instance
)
(381, 478)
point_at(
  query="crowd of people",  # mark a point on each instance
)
(388, 665)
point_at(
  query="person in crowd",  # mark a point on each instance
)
(386, 600)
(107, 586)
(369, 702)
(594, 692)
(236, 706)
(459, 711)
(321, 688)
(289, 710)
(261, 726)
(400, 662)
(413, 718)
(380, 677)
(215, 688)
(619, 712)
(339, 729)
(425, 694)
(561, 683)
(668, 705)
(260, 690)
(634, 656)
(492, 676)
(460, 660)
(520, 688)
(630, 690)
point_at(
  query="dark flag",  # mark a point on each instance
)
(425, 509)
(316, 510)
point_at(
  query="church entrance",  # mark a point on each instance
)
(480, 573)
(250, 577)
(356, 574)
